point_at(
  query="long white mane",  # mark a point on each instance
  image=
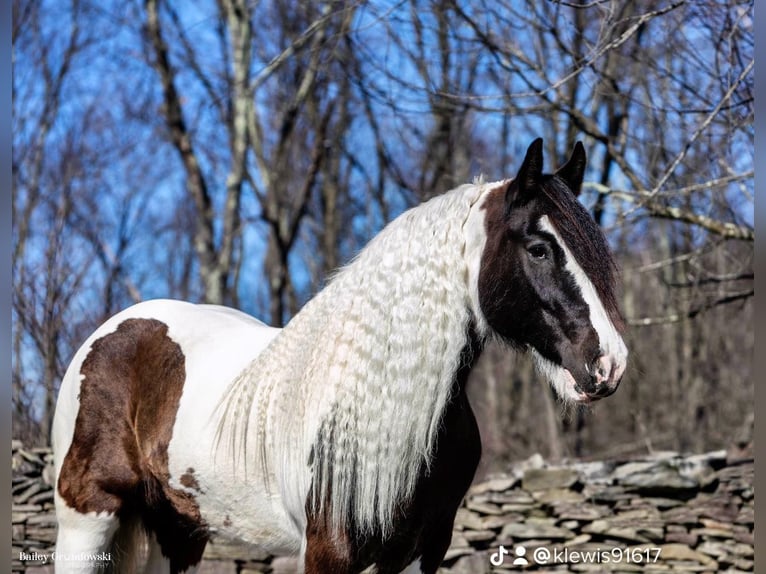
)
(356, 384)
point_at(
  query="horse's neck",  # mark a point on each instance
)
(384, 343)
(358, 381)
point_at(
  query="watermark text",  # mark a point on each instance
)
(554, 555)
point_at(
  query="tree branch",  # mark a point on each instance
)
(678, 317)
(646, 200)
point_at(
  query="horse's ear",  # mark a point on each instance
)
(529, 173)
(573, 171)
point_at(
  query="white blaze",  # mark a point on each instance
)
(610, 341)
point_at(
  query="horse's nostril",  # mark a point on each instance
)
(603, 369)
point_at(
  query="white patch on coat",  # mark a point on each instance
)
(475, 231)
(81, 537)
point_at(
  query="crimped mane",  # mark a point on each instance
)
(356, 384)
(586, 241)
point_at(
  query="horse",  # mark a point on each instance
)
(346, 438)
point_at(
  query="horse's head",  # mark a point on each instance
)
(546, 280)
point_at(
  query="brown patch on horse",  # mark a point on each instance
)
(423, 525)
(328, 551)
(118, 460)
(495, 264)
(189, 480)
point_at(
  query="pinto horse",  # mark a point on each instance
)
(345, 438)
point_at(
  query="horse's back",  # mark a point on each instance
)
(136, 417)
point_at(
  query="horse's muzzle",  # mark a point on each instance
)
(606, 374)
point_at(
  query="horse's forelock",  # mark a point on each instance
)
(586, 242)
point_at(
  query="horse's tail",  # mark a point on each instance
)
(129, 546)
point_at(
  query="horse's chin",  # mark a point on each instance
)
(562, 381)
(572, 391)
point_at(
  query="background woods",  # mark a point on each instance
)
(238, 151)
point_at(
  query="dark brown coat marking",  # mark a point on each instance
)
(423, 527)
(118, 459)
(189, 480)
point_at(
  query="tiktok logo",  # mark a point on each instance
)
(497, 558)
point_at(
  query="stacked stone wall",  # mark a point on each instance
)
(660, 513)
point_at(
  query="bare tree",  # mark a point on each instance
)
(238, 152)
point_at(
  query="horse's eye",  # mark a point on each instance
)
(538, 251)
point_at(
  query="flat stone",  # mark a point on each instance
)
(541, 520)
(499, 484)
(744, 565)
(583, 511)
(28, 492)
(710, 523)
(597, 527)
(494, 522)
(682, 538)
(557, 495)
(483, 507)
(629, 468)
(548, 478)
(26, 508)
(653, 533)
(578, 540)
(684, 553)
(607, 529)
(570, 524)
(517, 507)
(685, 566)
(595, 567)
(746, 516)
(511, 497)
(468, 519)
(20, 517)
(608, 495)
(45, 534)
(744, 537)
(28, 456)
(713, 532)
(479, 535)
(527, 531)
(627, 534)
(49, 518)
(681, 515)
(660, 480)
(715, 549)
(41, 497)
(637, 515)
(659, 502)
(49, 474)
